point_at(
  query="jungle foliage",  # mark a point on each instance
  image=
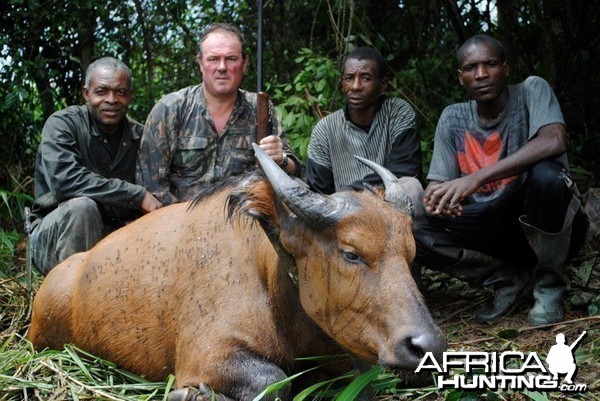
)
(46, 45)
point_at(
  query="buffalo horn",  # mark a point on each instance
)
(393, 189)
(316, 210)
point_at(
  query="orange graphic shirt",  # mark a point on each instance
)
(482, 152)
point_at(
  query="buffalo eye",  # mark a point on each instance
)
(351, 257)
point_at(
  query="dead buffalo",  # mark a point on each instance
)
(203, 291)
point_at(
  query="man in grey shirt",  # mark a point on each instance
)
(500, 204)
(370, 125)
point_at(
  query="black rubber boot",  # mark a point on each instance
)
(478, 268)
(551, 250)
(485, 270)
(506, 298)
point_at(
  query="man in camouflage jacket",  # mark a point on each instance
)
(203, 133)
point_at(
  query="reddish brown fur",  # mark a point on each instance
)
(182, 291)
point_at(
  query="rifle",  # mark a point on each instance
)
(262, 101)
(262, 120)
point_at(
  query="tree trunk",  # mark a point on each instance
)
(86, 39)
(147, 33)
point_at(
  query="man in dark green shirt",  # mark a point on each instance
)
(85, 169)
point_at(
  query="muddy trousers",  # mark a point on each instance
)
(495, 229)
(74, 226)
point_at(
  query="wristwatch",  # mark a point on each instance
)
(284, 161)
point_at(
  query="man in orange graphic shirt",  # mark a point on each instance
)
(500, 206)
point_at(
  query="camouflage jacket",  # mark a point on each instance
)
(181, 150)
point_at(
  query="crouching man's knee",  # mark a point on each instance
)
(74, 226)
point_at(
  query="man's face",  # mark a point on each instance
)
(108, 97)
(482, 73)
(361, 84)
(222, 64)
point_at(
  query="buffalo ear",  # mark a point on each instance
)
(258, 201)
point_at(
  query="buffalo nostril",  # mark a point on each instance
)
(414, 347)
(427, 342)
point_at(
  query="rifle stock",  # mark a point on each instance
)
(262, 116)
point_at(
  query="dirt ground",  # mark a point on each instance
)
(453, 304)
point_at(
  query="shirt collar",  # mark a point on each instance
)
(377, 108)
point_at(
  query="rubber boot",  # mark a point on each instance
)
(485, 270)
(506, 296)
(551, 250)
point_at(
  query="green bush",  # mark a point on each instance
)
(313, 94)
(12, 204)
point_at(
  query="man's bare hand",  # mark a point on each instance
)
(443, 199)
(273, 147)
(150, 203)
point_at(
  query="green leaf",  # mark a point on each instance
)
(280, 384)
(75, 358)
(169, 386)
(454, 395)
(358, 384)
(310, 390)
(366, 39)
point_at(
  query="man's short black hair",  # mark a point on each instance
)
(478, 40)
(368, 53)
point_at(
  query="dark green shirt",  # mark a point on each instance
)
(75, 159)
